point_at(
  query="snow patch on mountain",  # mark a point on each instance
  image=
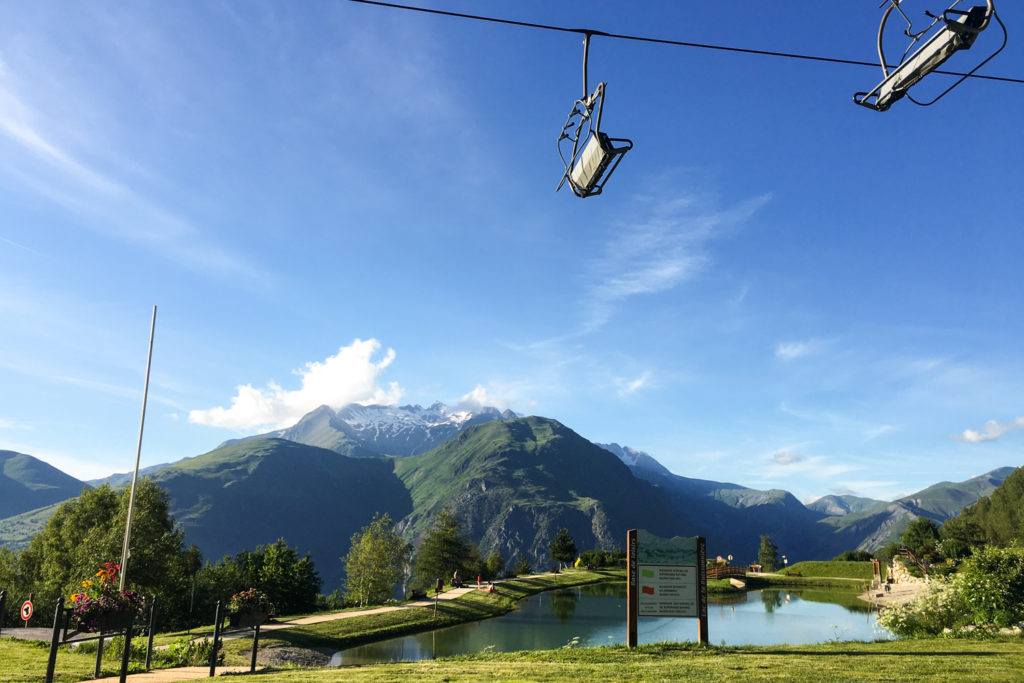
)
(412, 429)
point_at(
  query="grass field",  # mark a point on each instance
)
(916, 660)
(834, 569)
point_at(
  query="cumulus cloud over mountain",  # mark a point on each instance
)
(350, 376)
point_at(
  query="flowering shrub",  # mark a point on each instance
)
(252, 600)
(987, 593)
(100, 601)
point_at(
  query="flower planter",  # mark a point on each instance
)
(111, 621)
(247, 618)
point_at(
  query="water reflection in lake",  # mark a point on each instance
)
(596, 615)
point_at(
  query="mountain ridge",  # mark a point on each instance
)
(512, 482)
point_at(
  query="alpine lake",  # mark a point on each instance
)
(589, 616)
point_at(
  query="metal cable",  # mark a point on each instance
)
(661, 41)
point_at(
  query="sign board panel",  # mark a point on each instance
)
(667, 578)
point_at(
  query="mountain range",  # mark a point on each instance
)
(512, 481)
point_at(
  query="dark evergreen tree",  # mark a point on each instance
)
(562, 547)
(444, 549)
(996, 520)
(522, 566)
(768, 555)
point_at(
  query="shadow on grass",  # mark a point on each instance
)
(866, 653)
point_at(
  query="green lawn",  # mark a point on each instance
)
(834, 569)
(913, 660)
(25, 660)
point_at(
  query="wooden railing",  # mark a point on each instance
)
(726, 572)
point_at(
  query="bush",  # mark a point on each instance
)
(522, 566)
(187, 652)
(331, 602)
(987, 593)
(853, 556)
(993, 586)
(597, 558)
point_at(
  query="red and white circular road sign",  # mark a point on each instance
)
(26, 610)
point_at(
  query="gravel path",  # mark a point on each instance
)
(898, 593)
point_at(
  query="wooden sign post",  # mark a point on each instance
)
(666, 578)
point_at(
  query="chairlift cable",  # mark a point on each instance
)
(665, 41)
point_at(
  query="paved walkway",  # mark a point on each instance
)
(45, 633)
(191, 673)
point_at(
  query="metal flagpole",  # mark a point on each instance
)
(138, 454)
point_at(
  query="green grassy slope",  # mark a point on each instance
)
(256, 491)
(946, 499)
(513, 484)
(28, 483)
(18, 530)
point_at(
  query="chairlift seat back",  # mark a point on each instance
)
(592, 162)
(958, 33)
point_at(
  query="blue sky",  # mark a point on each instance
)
(331, 202)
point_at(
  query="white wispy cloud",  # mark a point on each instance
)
(870, 488)
(844, 491)
(48, 157)
(659, 252)
(788, 458)
(784, 463)
(792, 350)
(482, 397)
(991, 431)
(349, 376)
(874, 432)
(19, 245)
(628, 387)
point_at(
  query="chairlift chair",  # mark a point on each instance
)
(954, 30)
(593, 155)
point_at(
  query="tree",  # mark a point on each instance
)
(290, 582)
(921, 536)
(768, 555)
(959, 535)
(444, 549)
(376, 562)
(87, 531)
(495, 565)
(522, 566)
(997, 519)
(562, 547)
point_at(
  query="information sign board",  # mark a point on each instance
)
(667, 578)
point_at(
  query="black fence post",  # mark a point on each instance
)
(255, 644)
(51, 662)
(99, 657)
(127, 651)
(152, 623)
(3, 606)
(213, 650)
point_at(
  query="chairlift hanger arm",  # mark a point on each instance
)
(959, 31)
